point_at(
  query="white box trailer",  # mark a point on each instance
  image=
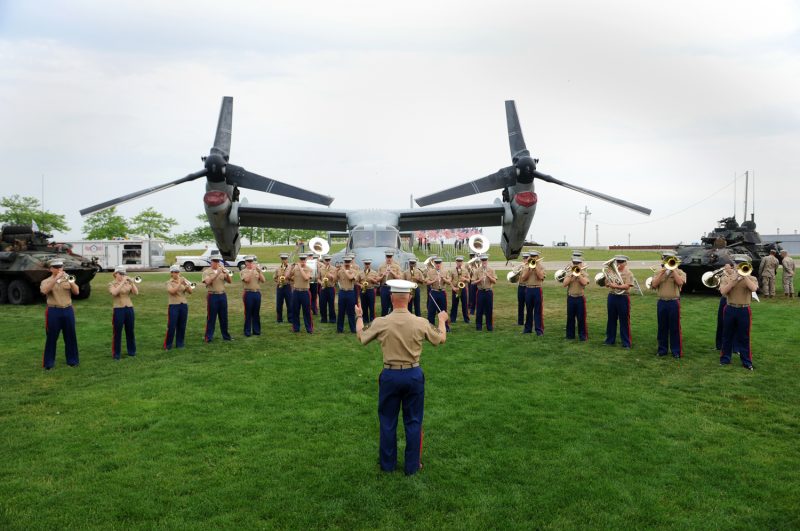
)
(133, 254)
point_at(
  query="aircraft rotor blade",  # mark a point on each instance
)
(222, 139)
(496, 181)
(140, 193)
(252, 181)
(598, 195)
(516, 142)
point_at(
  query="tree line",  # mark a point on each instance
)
(108, 224)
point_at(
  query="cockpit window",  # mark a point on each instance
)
(386, 238)
(362, 238)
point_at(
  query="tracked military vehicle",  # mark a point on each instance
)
(25, 255)
(717, 248)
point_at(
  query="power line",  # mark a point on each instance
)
(681, 211)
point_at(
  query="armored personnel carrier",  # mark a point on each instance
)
(25, 255)
(717, 248)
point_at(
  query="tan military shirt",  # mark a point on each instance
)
(414, 275)
(281, 270)
(252, 279)
(788, 266)
(460, 274)
(769, 265)
(326, 271)
(575, 288)
(181, 287)
(347, 278)
(123, 297)
(218, 285)
(401, 335)
(481, 275)
(297, 277)
(439, 277)
(396, 272)
(667, 289)
(370, 275)
(627, 278)
(740, 293)
(60, 293)
(532, 280)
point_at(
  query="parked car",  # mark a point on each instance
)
(191, 263)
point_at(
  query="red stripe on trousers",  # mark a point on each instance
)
(46, 310)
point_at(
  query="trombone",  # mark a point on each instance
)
(575, 270)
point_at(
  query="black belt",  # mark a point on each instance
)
(673, 299)
(576, 296)
(434, 289)
(216, 293)
(253, 290)
(484, 289)
(400, 367)
(738, 305)
(341, 290)
(60, 307)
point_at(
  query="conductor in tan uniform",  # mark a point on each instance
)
(401, 383)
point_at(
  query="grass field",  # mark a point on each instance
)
(281, 431)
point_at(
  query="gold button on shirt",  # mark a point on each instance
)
(401, 335)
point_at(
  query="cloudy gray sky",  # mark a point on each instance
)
(660, 103)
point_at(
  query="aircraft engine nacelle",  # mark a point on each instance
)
(517, 221)
(224, 221)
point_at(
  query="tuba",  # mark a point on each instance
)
(478, 244)
(319, 246)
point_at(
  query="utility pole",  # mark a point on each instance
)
(585, 215)
(746, 186)
(597, 235)
(629, 239)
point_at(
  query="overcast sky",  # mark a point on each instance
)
(659, 103)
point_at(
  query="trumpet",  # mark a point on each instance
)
(226, 271)
(671, 263)
(189, 284)
(68, 278)
(744, 269)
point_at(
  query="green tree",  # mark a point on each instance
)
(202, 233)
(23, 210)
(151, 223)
(105, 225)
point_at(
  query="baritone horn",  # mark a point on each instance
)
(319, 246)
(671, 263)
(712, 279)
(262, 268)
(744, 269)
(137, 279)
(478, 244)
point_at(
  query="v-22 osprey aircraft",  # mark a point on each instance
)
(371, 232)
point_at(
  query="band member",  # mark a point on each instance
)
(347, 276)
(767, 271)
(401, 383)
(415, 275)
(438, 279)
(388, 271)
(738, 288)
(215, 278)
(121, 289)
(313, 285)
(723, 301)
(252, 278)
(327, 292)
(300, 274)
(619, 282)
(485, 279)
(59, 315)
(576, 299)
(283, 289)
(668, 283)
(521, 287)
(533, 277)
(460, 295)
(788, 274)
(473, 289)
(178, 310)
(366, 283)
